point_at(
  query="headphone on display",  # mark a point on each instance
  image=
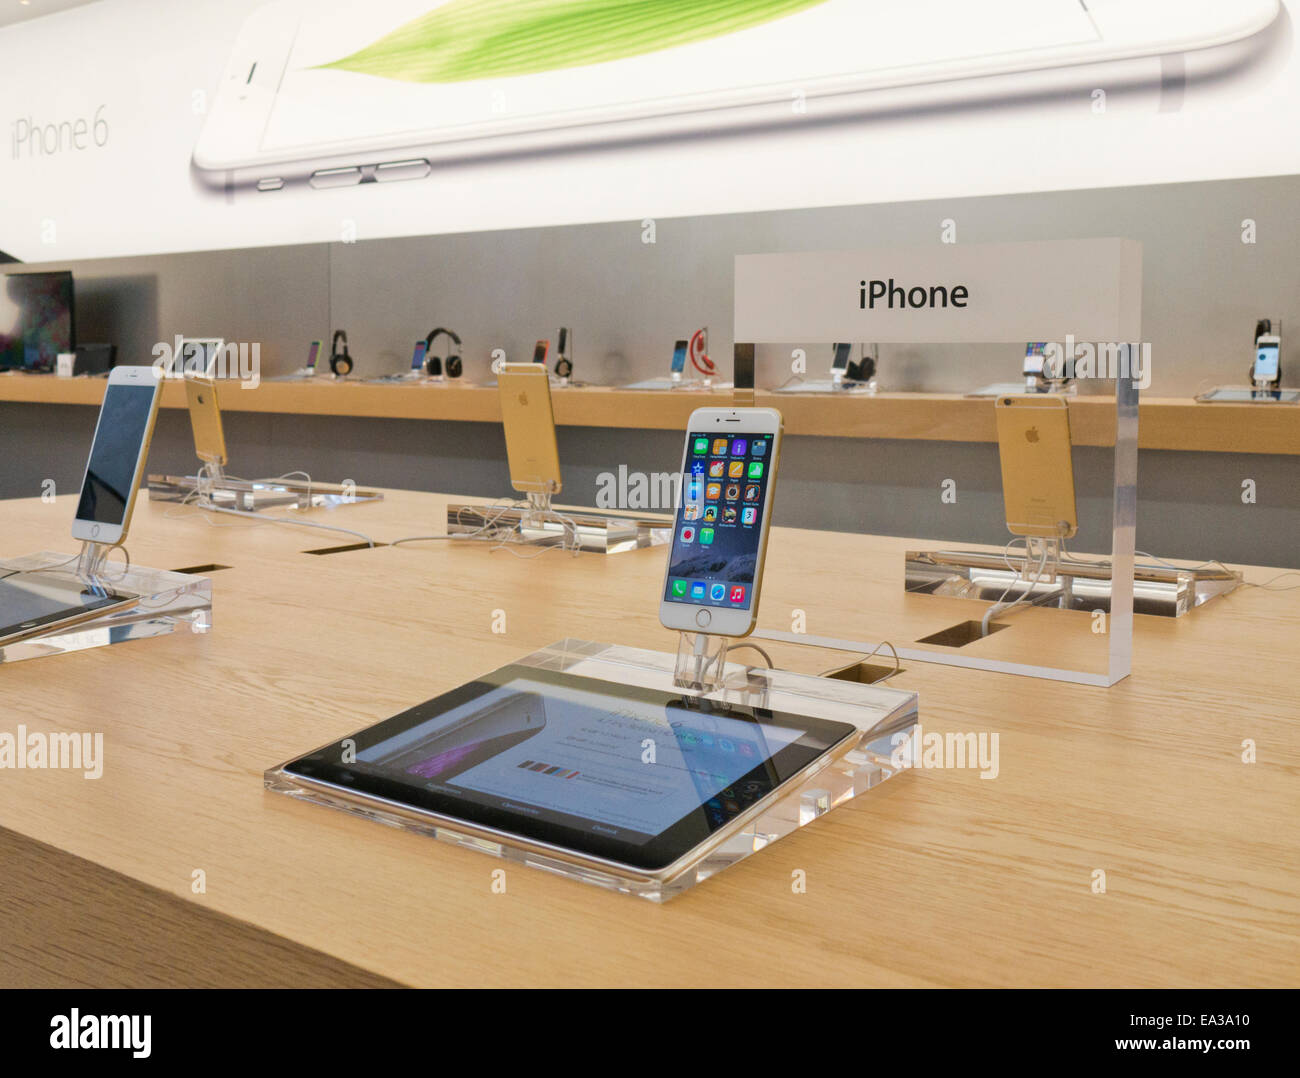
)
(340, 362)
(563, 365)
(699, 353)
(862, 370)
(434, 365)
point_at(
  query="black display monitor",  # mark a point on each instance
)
(36, 320)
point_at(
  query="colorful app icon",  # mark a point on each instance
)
(706, 536)
(713, 492)
(759, 447)
(733, 491)
(750, 515)
(736, 469)
(719, 447)
(679, 588)
(738, 446)
(710, 514)
(688, 535)
(729, 514)
(701, 446)
(716, 468)
(737, 593)
(717, 592)
(755, 469)
(752, 492)
(691, 512)
(726, 745)
(693, 491)
(697, 590)
(697, 469)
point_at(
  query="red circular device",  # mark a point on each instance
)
(699, 353)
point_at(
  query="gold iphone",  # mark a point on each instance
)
(1037, 466)
(529, 423)
(205, 419)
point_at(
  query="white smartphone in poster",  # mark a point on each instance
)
(724, 511)
(333, 93)
(117, 455)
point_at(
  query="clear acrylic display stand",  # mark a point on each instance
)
(1030, 384)
(250, 495)
(886, 720)
(169, 602)
(302, 374)
(676, 380)
(538, 524)
(1066, 583)
(1265, 394)
(836, 383)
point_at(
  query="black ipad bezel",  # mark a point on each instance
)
(14, 632)
(324, 765)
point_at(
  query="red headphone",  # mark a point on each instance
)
(699, 353)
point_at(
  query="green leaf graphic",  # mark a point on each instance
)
(484, 39)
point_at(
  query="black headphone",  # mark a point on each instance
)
(433, 365)
(563, 365)
(861, 370)
(340, 362)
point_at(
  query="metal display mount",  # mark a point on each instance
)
(252, 495)
(886, 721)
(168, 602)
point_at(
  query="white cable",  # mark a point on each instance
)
(999, 607)
(506, 536)
(883, 644)
(254, 515)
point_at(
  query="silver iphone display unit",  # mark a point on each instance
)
(117, 455)
(724, 512)
(333, 93)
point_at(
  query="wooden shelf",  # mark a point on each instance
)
(1166, 423)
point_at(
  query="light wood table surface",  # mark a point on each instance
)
(935, 878)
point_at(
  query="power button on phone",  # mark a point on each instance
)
(704, 619)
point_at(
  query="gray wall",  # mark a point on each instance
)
(1203, 290)
(627, 301)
